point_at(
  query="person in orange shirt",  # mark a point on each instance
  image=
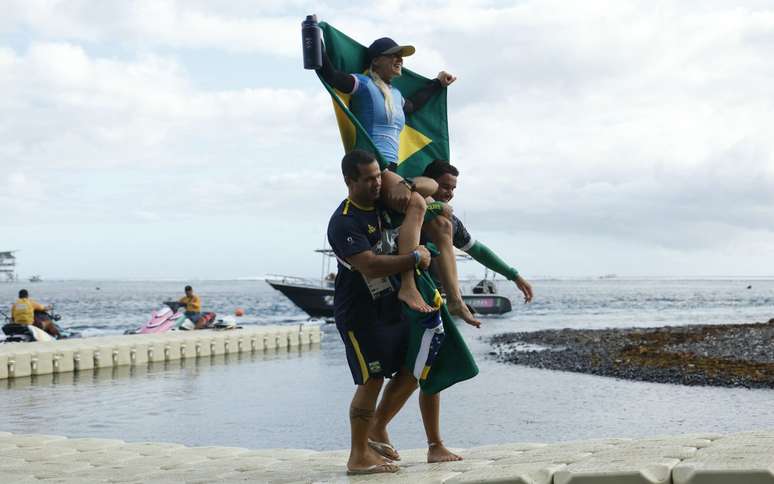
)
(23, 312)
(193, 307)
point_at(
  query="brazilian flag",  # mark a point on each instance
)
(424, 138)
(437, 354)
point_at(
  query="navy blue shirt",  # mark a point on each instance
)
(353, 230)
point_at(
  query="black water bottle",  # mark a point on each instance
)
(311, 42)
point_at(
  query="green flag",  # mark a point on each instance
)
(424, 138)
(437, 354)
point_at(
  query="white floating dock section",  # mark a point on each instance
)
(19, 360)
(745, 458)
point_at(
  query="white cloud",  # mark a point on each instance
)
(650, 128)
(74, 109)
(22, 195)
(132, 138)
(634, 122)
(157, 22)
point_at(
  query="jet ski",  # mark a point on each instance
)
(226, 322)
(206, 318)
(162, 319)
(25, 333)
(170, 317)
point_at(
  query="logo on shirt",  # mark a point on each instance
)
(371, 229)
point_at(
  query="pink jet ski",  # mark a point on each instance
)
(163, 319)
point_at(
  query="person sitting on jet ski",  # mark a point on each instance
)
(23, 312)
(193, 308)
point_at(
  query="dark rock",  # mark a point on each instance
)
(719, 355)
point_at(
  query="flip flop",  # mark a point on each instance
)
(384, 449)
(374, 469)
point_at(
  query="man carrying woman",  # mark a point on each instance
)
(381, 110)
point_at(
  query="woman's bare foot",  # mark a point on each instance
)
(437, 452)
(460, 309)
(413, 299)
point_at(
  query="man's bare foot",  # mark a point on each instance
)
(460, 309)
(413, 299)
(437, 452)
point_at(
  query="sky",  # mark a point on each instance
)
(183, 139)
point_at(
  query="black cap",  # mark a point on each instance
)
(385, 46)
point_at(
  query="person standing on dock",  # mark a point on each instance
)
(366, 305)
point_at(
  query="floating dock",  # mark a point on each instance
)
(744, 458)
(19, 360)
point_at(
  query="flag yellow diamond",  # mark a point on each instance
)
(411, 141)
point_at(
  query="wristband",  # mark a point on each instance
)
(417, 258)
(410, 185)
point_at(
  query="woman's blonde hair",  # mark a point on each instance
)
(384, 88)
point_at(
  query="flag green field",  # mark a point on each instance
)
(453, 362)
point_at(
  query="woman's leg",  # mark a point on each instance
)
(430, 407)
(440, 232)
(409, 235)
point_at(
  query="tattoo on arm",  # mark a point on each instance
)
(363, 414)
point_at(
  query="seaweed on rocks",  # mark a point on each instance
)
(730, 355)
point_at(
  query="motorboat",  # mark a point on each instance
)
(314, 297)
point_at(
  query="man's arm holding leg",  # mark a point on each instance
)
(372, 265)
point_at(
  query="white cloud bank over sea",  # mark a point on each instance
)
(171, 138)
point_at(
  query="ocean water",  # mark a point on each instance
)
(300, 399)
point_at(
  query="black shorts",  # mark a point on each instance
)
(375, 351)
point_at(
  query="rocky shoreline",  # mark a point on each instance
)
(729, 355)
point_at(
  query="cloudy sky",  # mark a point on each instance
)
(166, 138)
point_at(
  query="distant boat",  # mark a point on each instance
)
(484, 299)
(36, 278)
(313, 296)
(307, 294)
(609, 276)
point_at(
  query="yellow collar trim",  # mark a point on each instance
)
(365, 209)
